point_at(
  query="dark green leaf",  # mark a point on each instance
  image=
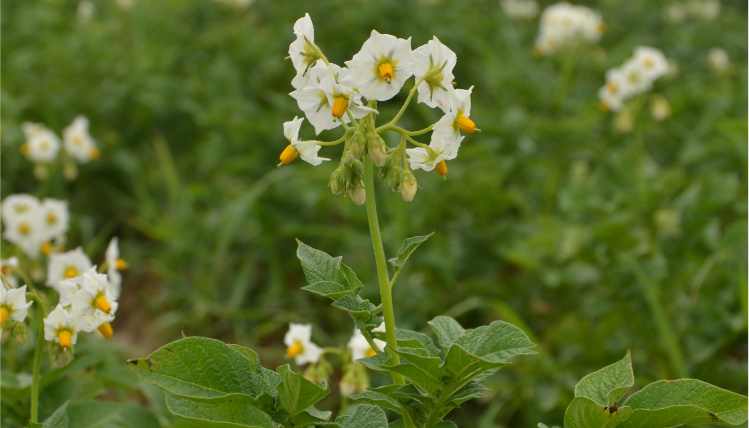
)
(295, 393)
(318, 265)
(408, 247)
(58, 419)
(447, 330)
(217, 414)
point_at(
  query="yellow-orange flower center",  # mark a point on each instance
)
(3, 315)
(648, 63)
(441, 168)
(25, 150)
(612, 87)
(24, 228)
(339, 107)
(466, 125)
(386, 71)
(120, 264)
(294, 350)
(106, 330)
(51, 218)
(604, 107)
(102, 304)
(71, 272)
(46, 248)
(289, 154)
(65, 338)
(371, 353)
(94, 153)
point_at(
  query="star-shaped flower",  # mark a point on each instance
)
(382, 66)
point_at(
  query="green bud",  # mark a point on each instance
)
(357, 194)
(6, 332)
(20, 334)
(357, 171)
(354, 380)
(377, 149)
(318, 372)
(358, 144)
(58, 355)
(394, 179)
(408, 186)
(338, 180)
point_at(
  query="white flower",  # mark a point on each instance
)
(18, 205)
(66, 265)
(382, 66)
(114, 265)
(55, 217)
(41, 144)
(456, 119)
(434, 57)
(299, 345)
(441, 148)
(13, 304)
(717, 59)
(78, 142)
(520, 9)
(6, 267)
(612, 94)
(303, 51)
(652, 62)
(360, 347)
(306, 149)
(23, 223)
(94, 301)
(62, 326)
(564, 25)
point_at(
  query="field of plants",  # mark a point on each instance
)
(595, 215)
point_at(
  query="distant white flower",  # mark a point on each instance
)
(652, 61)
(382, 66)
(13, 304)
(306, 149)
(17, 205)
(85, 10)
(23, 223)
(42, 145)
(360, 347)
(56, 217)
(303, 51)
(66, 265)
(717, 59)
(114, 265)
(62, 326)
(434, 57)
(94, 301)
(299, 344)
(704, 9)
(520, 9)
(634, 77)
(78, 142)
(613, 93)
(7, 266)
(564, 25)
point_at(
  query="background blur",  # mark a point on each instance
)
(550, 218)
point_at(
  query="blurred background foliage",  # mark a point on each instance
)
(550, 218)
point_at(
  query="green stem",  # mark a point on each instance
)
(403, 108)
(37, 361)
(668, 338)
(382, 273)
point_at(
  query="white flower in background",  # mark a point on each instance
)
(439, 60)
(634, 77)
(85, 10)
(717, 59)
(303, 51)
(7, 266)
(299, 344)
(13, 304)
(612, 94)
(306, 149)
(360, 347)
(704, 9)
(382, 66)
(23, 223)
(78, 142)
(114, 265)
(520, 9)
(42, 145)
(675, 12)
(18, 205)
(652, 62)
(55, 217)
(125, 4)
(456, 119)
(565, 25)
(62, 326)
(66, 266)
(440, 150)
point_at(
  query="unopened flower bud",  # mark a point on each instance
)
(357, 194)
(394, 179)
(377, 149)
(20, 334)
(660, 109)
(58, 355)
(354, 380)
(338, 180)
(358, 144)
(357, 171)
(408, 186)
(5, 335)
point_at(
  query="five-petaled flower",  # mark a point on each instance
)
(382, 66)
(299, 344)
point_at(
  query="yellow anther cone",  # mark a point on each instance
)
(289, 154)
(102, 304)
(106, 330)
(386, 71)
(71, 272)
(441, 168)
(294, 350)
(3, 315)
(65, 338)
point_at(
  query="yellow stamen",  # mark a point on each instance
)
(386, 71)
(120, 264)
(102, 304)
(648, 63)
(25, 150)
(24, 228)
(46, 248)
(3, 315)
(51, 218)
(77, 140)
(466, 125)
(5, 270)
(339, 107)
(106, 330)
(289, 154)
(294, 350)
(612, 87)
(71, 272)
(94, 153)
(371, 353)
(441, 168)
(65, 338)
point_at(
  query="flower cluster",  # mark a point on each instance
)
(634, 77)
(564, 25)
(332, 96)
(13, 309)
(34, 226)
(42, 146)
(520, 9)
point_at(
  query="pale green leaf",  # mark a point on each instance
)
(296, 394)
(58, 419)
(333, 290)
(586, 413)
(608, 385)
(408, 247)
(447, 330)
(318, 265)
(496, 342)
(218, 414)
(366, 416)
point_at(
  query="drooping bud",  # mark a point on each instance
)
(289, 154)
(357, 194)
(20, 334)
(409, 186)
(376, 148)
(338, 180)
(339, 107)
(358, 143)
(394, 178)
(441, 168)
(357, 172)
(121, 264)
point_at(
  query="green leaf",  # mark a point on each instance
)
(359, 308)
(204, 369)
(58, 419)
(424, 370)
(669, 403)
(331, 289)
(311, 416)
(447, 330)
(96, 414)
(472, 390)
(217, 414)
(586, 413)
(295, 393)
(608, 385)
(415, 339)
(353, 281)
(497, 342)
(366, 416)
(377, 362)
(408, 247)
(318, 265)
(380, 397)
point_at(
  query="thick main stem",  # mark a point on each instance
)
(382, 273)
(37, 363)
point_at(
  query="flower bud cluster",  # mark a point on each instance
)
(634, 77)
(43, 145)
(564, 25)
(332, 96)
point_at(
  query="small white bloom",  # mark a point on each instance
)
(18, 205)
(442, 148)
(13, 304)
(306, 149)
(565, 25)
(23, 223)
(520, 9)
(299, 345)
(85, 10)
(303, 51)
(62, 326)
(457, 117)
(717, 59)
(55, 217)
(78, 142)
(66, 265)
(434, 57)
(94, 301)
(360, 347)
(7, 266)
(42, 145)
(382, 66)
(652, 61)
